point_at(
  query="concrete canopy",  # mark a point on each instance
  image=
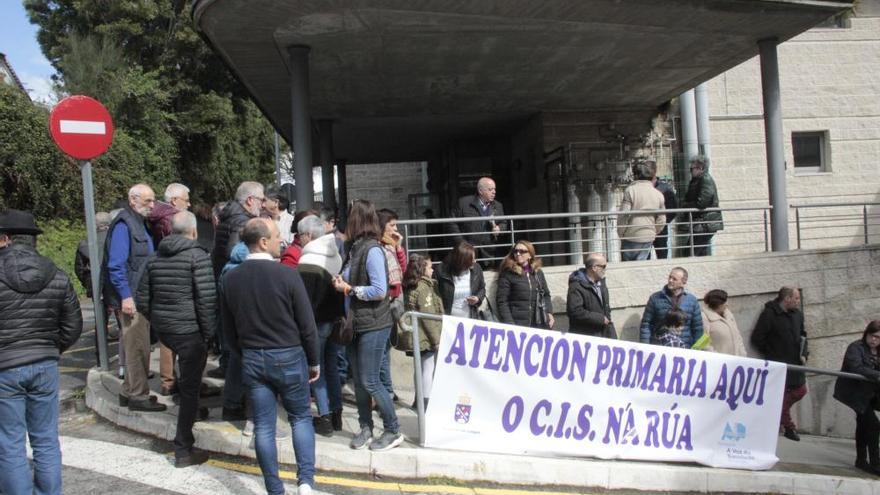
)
(399, 78)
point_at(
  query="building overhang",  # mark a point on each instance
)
(399, 78)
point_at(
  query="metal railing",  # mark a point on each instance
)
(564, 238)
(413, 318)
(836, 224)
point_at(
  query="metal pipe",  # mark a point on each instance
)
(766, 233)
(417, 367)
(343, 191)
(325, 135)
(819, 371)
(277, 160)
(691, 224)
(774, 144)
(701, 100)
(689, 135)
(797, 225)
(302, 126)
(865, 220)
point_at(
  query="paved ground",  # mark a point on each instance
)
(814, 465)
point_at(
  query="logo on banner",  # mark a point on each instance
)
(735, 433)
(463, 409)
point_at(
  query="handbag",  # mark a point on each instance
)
(343, 330)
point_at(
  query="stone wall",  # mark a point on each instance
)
(828, 79)
(388, 185)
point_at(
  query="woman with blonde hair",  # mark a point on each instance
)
(522, 296)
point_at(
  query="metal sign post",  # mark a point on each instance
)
(95, 261)
(83, 129)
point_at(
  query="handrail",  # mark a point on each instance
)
(547, 216)
(413, 318)
(832, 205)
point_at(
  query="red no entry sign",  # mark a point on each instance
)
(81, 127)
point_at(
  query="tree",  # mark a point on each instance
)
(179, 113)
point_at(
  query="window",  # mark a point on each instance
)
(810, 151)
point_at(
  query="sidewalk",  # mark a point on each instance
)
(816, 465)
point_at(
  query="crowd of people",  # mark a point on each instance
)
(296, 306)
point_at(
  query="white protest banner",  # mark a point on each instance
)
(510, 389)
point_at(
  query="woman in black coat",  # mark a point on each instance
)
(862, 357)
(523, 297)
(460, 263)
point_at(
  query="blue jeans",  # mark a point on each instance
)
(385, 372)
(365, 354)
(29, 405)
(635, 251)
(327, 389)
(284, 372)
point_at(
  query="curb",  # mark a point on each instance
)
(411, 462)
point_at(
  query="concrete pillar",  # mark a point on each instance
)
(701, 100)
(343, 191)
(325, 134)
(689, 136)
(774, 144)
(302, 126)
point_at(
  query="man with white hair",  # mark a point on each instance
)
(176, 200)
(481, 204)
(249, 199)
(177, 294)
(128, 247)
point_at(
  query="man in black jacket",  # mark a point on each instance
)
(661, 242)
(479, 234)
(588, 305)
(39, 319)
(249, 199)
(177, 294)
(268, 321)
(779, 335)
(702, 194)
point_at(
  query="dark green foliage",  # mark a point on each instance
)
(58, 242)
(34, 175)
(179, 114)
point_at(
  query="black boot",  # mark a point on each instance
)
(336, 420)
(323, 425)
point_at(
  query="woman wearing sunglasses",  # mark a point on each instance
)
(522, 296)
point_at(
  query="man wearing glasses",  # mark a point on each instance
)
(248, 203)
(588, 305)
(249, 199)
(702, 194)
(128, 247)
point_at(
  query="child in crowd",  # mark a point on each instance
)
(670, 333)
(420, 290)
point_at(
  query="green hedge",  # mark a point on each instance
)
(58, 242)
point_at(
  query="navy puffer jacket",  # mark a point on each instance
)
(659, 304)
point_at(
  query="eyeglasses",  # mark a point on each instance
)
(520, 251)
(261, 200)
(600, 266)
